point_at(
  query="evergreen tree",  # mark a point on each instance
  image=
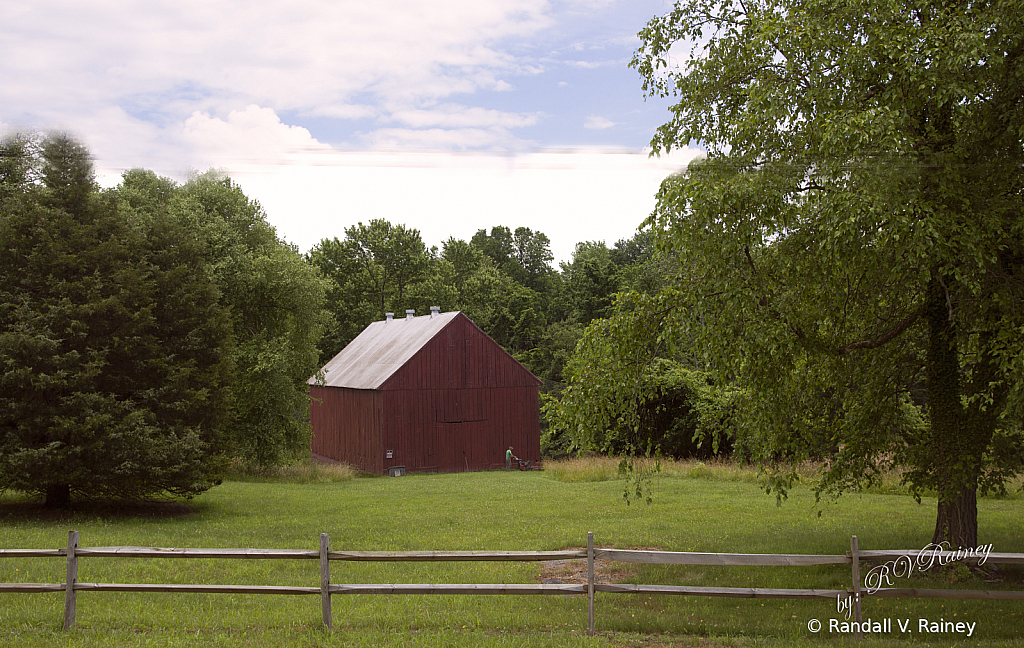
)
(114, 352)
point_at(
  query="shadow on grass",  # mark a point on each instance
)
(21, 508)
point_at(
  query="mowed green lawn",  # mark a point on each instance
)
(716, 511)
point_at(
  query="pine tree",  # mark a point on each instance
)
(114, 352)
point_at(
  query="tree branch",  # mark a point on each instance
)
(882, 339)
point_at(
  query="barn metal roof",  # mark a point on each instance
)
(381, 350)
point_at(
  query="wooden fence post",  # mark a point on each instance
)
(325, 579)
(855, 566)
(69, 583)
(590, 582)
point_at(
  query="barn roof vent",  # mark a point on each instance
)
(388, 316)
(435, 310)
(409, 312)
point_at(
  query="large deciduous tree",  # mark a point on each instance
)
(276, 303)
(373, 270)
(524, 255)
(854, 239)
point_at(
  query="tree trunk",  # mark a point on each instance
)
(58, 496)
(957, 520)
(954, 462)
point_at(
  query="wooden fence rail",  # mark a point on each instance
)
(72, 553)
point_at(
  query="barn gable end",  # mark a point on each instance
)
(431, 393)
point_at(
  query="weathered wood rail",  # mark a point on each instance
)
(73, 553)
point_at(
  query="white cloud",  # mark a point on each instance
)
(595, 122)
(174, 84)
(251, 136)
(169, 59)
(592, 65)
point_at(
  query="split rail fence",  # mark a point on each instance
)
(73, 553)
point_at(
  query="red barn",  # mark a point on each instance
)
(431, 393)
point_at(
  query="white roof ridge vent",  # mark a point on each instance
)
(435, 310)
(388, 317)
(409, 313)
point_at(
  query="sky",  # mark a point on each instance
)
(448, 117)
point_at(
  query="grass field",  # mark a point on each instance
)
(696, 507)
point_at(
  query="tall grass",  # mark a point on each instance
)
(583, 469)
(304, 471)
(602, 468)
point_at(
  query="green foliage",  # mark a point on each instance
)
(66, 170)
(389, 258)
(855, 233)
(276, 304)
(515, 305)
(683, 414)
(554, 348)
(640, 268)
(591, 282)
(114, 350)
(586, 290)
(386, 268)
(19, 163)
(598, 408)
(516, 321)
(502, 281)
(377, 268)
(148, 332)
(472, 283)
(621, 398)
(524, 255)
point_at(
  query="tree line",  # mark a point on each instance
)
(502, 279)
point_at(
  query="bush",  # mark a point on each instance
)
(683, 414)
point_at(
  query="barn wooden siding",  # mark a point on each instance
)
(461, 356)
(347, 426)
(457, 430)
(456, 405)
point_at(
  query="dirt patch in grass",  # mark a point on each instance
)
(574, 571)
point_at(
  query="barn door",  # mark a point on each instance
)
(463, 446)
